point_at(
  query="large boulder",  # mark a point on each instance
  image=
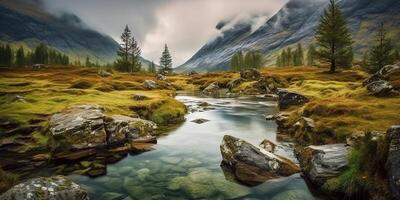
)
(250, 74)
(393, 161)
(252, 165)
(320, 163)
(381, 88)
(383, 74)
(287, 98)
(211, 90)
(161, 77)
(54, 188)
(77, 127)
(234, 83)
(267, 85)
(121, 128)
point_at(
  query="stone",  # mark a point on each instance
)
(287, 98)
(266, 85)
(267, 145)
(149, 84)
(55, 188)
(161, 77)
(380, 88)
(212, 89)
(142, 174)
(111, 196)
(192, 73)
(97, 172)
(230, 190)
(282, 120)
(293, 195)
(303, 128)
(200, 121)
(138, 97)
(189, 163)
(39, 66)
(77, 127)
(204, 104)
(358, 136)
(85, 164)
(234, 83)
(269, 117)
(41, 157)
(121, 128)
(252, 165)
(171, 160)
(73, 156)
(393, 161)
(104, 73)
(141, 147)
(145, 139)
(383, 74)
(320, 163)
(250, 74)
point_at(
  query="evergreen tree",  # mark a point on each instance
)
(252, 59)
(381, 54)
(87, 62)
(166, 61)
(41, 55)
(284, 58)
(298, 58)
(333, 38)
(311, 55)
(124, 50)
(135, 52)
(237, 61)
(20, 57)
(8, 55)
(289, 57)
(278, 61)
(152, 68)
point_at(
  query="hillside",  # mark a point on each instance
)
(66, 33)
(296, 22)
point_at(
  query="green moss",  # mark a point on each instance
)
(170, 112)
(40, 138)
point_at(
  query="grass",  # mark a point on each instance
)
(7, 180)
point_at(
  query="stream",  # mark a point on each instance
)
(186, 161)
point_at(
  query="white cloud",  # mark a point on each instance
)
(185, 25)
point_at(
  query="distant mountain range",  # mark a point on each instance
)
(24, 22)
(295, 22)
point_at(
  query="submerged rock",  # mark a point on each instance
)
(200, 121)
(287, 98)
(55, 188)
(393, 161)
(320, 163)
(251, 165)
(267, 145)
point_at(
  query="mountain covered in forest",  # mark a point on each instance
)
(26, 23)
(296, 22)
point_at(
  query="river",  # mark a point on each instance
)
(186, 161)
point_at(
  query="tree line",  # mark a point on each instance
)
(40, 55)
(240, 61)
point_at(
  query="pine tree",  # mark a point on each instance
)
(152, 68)
(381, 54)
(311, 55)
(41, 55)
(333, 38)
(166, 61)
(284, 58)
(87, 62)
(298, 58)
(289, 57)
(8, 55)
(278, 61)
(124, 50)
(20, 57)
(237, 61)
(135, 52)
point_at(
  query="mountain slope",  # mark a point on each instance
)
(24, 22)
(296, 22)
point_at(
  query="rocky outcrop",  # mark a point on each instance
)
(54, 188)
(104, 73)
(393, 161)
(161, 77)
(76, 131)
(149, 84)
(250, 74)
(287, 98)
(234, 83)
(379, 83)
(212, 89)
(320, 163)
(267, 85)
(77, 127)
(251, 165)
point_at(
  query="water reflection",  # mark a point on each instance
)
(186, 163)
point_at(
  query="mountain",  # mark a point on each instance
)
(296, 22)
(25, 22)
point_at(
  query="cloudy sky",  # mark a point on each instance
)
(185, 25)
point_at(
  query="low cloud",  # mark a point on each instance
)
(185, 25)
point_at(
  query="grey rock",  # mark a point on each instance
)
(320, 163)
(161, 77)
(287, 98)
(211, 90)
(78, 127)
(381, 88)
(149, 84)
(54, 188)
(200, 121)
(104, 73)
(234, 83)
(139, 97)
(393, 161)
(267, 145)
(252, 165)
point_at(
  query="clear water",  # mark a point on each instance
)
(186, 162)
